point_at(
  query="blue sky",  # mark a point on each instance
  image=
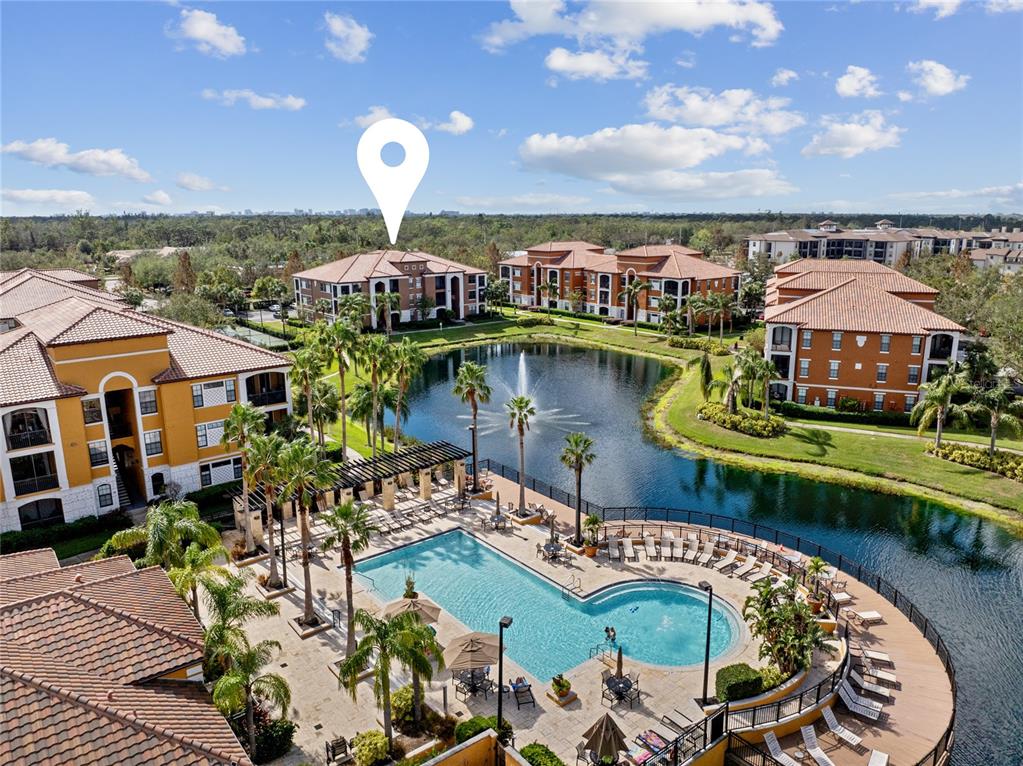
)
(528, 107)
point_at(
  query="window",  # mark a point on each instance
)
(909, 404)
(914, 375)
(92, 410)
(147, 402)
(220, 471)
(804, 368)
(200, 435)
(232, 394)
(154, 442)
(886, 343)
(832, 394)
(98, 454)
(878, 402)
(882, 373)
(159, 484)
(801, 395)
(34, 473)
(197, 400)
(918, 344)
(807, 338)
(836, 341)
(833, 370)
(41, 513)
(104, 495)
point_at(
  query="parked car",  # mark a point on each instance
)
(228, 313)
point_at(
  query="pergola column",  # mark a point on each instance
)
(347, 494)
(368, 490)
(460, 477)
(425, 484)
(388, 493)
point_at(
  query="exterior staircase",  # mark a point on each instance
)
(123, 499)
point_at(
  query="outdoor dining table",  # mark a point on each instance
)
(552, 550)
(497, 521)
(473, 680)
(619, 686)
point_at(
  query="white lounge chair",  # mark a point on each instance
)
(666, 541)
(762, 574)
(706, 555)
(691, 551)
(813, 748)
(842, 598)
(777, 753)
(867, 686)
(883, 657)
(651, 549)
(678, 550)
(725, 562)
(877, 758)
(869, 617)
(859, 705)
(885, 676)
(838, 729)
(745, 567)
(614, 549)
(628, 551)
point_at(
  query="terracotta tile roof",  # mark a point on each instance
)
(31, 289)
(680, 266)
(610, 265)
(74, 320)
(516, 260)
(65, 275)
(660, 251)
(888, 280)
(565, 247)
(856, 306)
(836, 265)
(27, 562)
(59, 578)
(26, 371)
(381, 263)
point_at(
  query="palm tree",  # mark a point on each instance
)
(390, 639)
(729, 382)
(471, 386)
(198, 567)
(705, 373)
(576, 455)
(350, 529)
(243, 422)
(420, 645)
(228, 607)
(326, 407)
(306, 366)
(671, 321)
(549, 288)
(764, 371)
(353, 308)
(379, 357)
(936, 405)
(344, 340)
(306, 474)
(575, 299)
(387, 302)
(520, 410)
(244, 683)
(361, 404)
(409, 360)
(170, 527)
(720, 304)
(699, 306)
(631, 297)
(1001, 407)
(264, 470)
(749, 361)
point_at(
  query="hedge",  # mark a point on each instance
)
(466, 730)
(47, 537)
(274, 739)
(540, 755)
(370, 747)
(211, 500)
(1004, 463)
(738, 681)
(796, 410)
(698, 344)
(751, 425)
(534, 320)
(283, 335)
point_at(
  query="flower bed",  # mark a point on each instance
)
(1004, 463)
(751, 425)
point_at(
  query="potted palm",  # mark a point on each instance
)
(815, 567)
(561, 685)
(591, 526)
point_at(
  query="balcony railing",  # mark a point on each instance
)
(35, 484)
(34, 438)
(263, 398)
(786, 347)
(119, 429)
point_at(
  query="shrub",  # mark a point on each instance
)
(848, 404)
(1005, 463)
(738, 681)
(273, 739)
(756, 338)
(211, 501)
(751, 425)
(468, 729)
(401, 708)
(698, 344)
(46, 537)
(796, 410)
(370, 747)
(771, 676)
(540, 755)
(534, 320)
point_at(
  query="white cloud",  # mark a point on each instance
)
(864, 132)
(904, 96)
(936, 79)
(457, 124)
(736, 109)
(1004, 6)
(209, 35)
(196, 182)
(942, 8)
(68, 199)
(686, 59)
(1006, 193)
(783, 77)
(255, 100)
(347, 39)
(528, 201)
(159, 197)
(95, 162)
(375, 114)
(857, 81)
(596, 65)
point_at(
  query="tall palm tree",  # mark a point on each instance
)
(576, 455)
(379, 357)
(420, 647)
(350, 529)
(936, 405)
(705, 373)
(245, 682)
(1001, 407)
(264, 470)
(198, 567)
(549, 288)
(228, 607)
(699, 306)
(360, 405)
(471, 386)
(354, 308)
(749, 361)
(387, 302)
(326, 407)
(306, 367)
(631, 297)
(764, 371)
(344, 341)
(388, 640)
(720, 305)
(306, 475)
(520, 410)
(409, 360)
(729, 382)
(575, 299)
(170, 527)
(242, 423)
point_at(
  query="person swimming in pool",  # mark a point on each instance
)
(610, 634)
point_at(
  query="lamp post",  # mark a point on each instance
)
(505, 622)
(475, 461)
(284, 555)
(709, 589)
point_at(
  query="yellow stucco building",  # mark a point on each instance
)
(103, 407)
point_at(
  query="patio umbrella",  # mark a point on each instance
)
(618, 667)
(605, 739)
(471, 651)
(427, 610)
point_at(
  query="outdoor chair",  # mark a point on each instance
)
(690, 557)
(877, 758)
(628, 551)
(859, 705)
(884, 676)
(706, 555)
(841, 597)
(866, 618)
(745, 568)
(774, 747)
(867, 686)
(666, 541)
(762, 574)
(838, 729)
(540, 552)
(813, 748)
(614, 550)
(874, 656)
(678, 550)
(610, 696)
(338, 751)
(729, 559)
(523, 696)
(651, 549)
(581, 753)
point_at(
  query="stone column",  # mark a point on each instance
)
(347, 494)
(388, 493)
(367, 490)
(425, 485)
(460, 477)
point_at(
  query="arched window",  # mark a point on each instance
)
(41, 513)
(26, 428)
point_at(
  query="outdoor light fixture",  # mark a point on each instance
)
(505, 622)
(709, 590)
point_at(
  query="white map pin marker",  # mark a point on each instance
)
(393, 187)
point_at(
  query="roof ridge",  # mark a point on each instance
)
(68, 568)
(132, 719)
(33, 273)
(30, 550)
(134, 618)
(821, 293)
(218, 336)
(131, 315)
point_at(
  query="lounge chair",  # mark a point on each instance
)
(868, 617)
(874, 656)
(745, 567)
(763, 573)
(678, 550)
(652, 741)
(884, 676)
(877, 758)
(666, 541)
(628, 551)
(841, 598)
(813, 748)
(651, 549)
(867, 686)
(706, 555)
(774, 747)
(859, 705)
(523, 696)
(614, 549)
(691, 551)
(727, 561)
(838, 729)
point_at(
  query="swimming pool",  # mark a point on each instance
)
(657, 622)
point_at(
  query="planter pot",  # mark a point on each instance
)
(815, 604)
(591, 551)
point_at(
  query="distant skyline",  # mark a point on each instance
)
(529, 107)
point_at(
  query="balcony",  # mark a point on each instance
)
(32, 438)
(35, 484)
(783, 347)
(264, 398)
(120, 429)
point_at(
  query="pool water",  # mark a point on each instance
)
(660, 623)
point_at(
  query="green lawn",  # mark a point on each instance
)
(75, 545)
(957, 434)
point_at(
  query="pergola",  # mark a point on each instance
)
(356, 473)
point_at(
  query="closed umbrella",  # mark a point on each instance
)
(605, 739)
(471, 651)
(618, 668)
(427, 610)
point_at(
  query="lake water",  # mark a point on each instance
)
(964, 573)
